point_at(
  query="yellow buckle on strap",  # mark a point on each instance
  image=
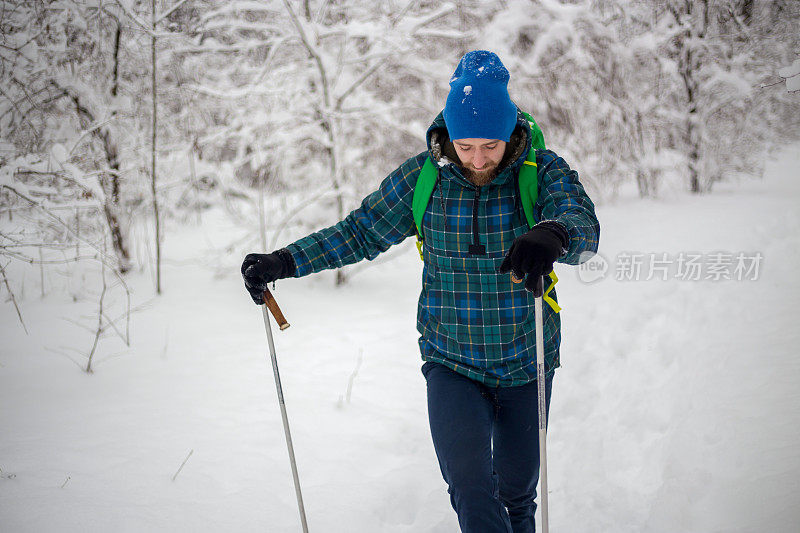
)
(546, 296)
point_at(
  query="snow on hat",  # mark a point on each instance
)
(478, 106)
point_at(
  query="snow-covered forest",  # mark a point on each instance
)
(147, 146)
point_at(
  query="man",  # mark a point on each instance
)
(477, 326)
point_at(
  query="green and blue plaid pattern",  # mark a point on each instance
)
(471, 318)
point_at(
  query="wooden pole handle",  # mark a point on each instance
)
(272, 305)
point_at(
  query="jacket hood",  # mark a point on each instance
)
(442, 151)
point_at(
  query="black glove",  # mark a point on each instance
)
(258, 270)
(534, 253)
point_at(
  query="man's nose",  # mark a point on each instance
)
(479, 160)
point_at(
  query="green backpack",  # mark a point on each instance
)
(528, 189)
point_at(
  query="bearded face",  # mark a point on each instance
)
(480, 158)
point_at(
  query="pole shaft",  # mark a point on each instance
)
(285, 418)
(540, 378)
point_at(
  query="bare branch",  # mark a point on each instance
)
(58, 220)
(112, 324)
(182, 465)
(367, 73)
(115, 71)
(99, 319)
(53, 245)
(142, 26)
(740, 25)
(18, 49)
(13, 299)
(169, 12)
(23, 116)
(295, 210)
(443, 12)
(402, 13)
(323, 8)
(89, 131)
(32, 261)
(312, 52)
(780, 81)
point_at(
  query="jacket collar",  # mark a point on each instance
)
(442, 152)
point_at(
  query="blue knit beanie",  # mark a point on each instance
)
(478, 106)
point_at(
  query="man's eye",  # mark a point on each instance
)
(465, 148)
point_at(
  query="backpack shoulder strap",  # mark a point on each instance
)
(529, 186)
(529, 192)
(423, 191)
(529, 173)
(537, 137)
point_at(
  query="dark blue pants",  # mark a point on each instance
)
(487, 442)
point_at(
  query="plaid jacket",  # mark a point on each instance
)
(471, 318)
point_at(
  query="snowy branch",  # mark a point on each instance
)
(44, 209)
(367, 73)
(311, 51)
(143, 26)
(791, 75)
(99, 320)
(169, 12)
(443, 11)
(13, 298)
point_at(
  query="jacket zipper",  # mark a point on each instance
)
(476, 248)
(438, 185)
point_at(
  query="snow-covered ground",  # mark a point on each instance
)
(676, 408)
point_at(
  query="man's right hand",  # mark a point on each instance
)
(259, 270)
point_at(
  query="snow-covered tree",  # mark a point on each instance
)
(636, 90)
(304, 97)
(719, 52)
(63, 79)
(568, 68)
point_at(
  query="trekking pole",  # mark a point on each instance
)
(542, 406)
(542, 400)
(272, 305)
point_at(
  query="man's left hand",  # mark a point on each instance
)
(532, 255)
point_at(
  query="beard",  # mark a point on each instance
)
(481, 177)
